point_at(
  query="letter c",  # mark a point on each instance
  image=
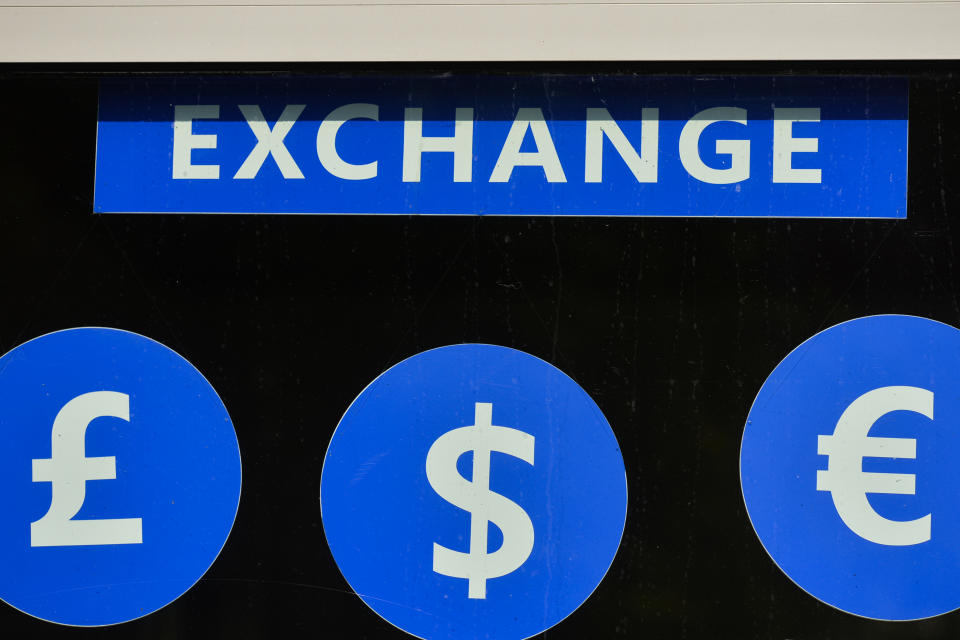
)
(327, 141)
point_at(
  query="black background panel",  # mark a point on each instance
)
(671, 325)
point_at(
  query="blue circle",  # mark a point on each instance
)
(176, 464)
(382, 517)
(828, 554)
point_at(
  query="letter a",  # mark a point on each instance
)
(545, 156)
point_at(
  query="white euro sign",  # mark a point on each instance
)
(845, 479)
(68, 470)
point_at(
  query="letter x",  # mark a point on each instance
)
(269, 141)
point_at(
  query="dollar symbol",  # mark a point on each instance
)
(849, 484)
(475, 497)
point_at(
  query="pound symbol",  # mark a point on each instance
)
(68, 470)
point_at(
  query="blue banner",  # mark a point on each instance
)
(545, 144)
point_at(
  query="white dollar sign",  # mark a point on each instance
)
(484, 506)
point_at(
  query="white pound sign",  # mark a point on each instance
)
(68, 470)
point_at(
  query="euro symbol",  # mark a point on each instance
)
(68, 470)
(845, 479)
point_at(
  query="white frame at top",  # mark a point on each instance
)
(473, 30)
